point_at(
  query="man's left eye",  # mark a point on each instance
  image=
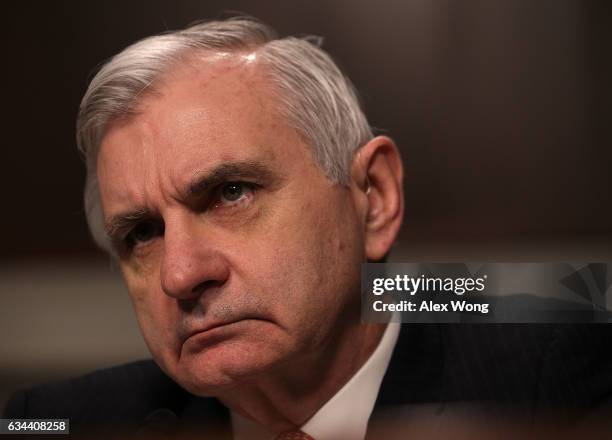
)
(233, 192)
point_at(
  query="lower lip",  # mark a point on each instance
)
(213, 336)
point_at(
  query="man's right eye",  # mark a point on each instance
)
(142, 233)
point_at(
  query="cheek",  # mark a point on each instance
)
(314, 265)
(155, 312)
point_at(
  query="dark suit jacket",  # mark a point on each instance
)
(520, 370)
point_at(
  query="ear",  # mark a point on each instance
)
(377, 176)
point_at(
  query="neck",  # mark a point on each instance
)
(289, 396)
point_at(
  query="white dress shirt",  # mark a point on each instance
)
(345, 415)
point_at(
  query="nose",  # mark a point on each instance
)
(190, 263)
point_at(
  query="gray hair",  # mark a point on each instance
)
(314, 96)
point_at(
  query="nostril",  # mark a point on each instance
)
(188, 305)
(205, 288)
(205, 285)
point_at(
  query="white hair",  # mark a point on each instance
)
(314, 96)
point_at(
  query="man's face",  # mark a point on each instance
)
(240, 256)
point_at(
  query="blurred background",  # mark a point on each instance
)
(501, 110)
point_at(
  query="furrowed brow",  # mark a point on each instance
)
(122, 222)
(231, 171)
(116, 225)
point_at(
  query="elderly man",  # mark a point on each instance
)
(236, 181)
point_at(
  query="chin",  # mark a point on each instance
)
(214, 370)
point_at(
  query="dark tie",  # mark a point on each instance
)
(293, 435)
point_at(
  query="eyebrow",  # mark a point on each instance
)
(199, 185)
(123, 221)
(231, 171)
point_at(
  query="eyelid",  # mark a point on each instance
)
(125, 236)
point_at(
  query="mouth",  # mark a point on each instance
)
(215, 327)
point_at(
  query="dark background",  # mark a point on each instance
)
(501, 110)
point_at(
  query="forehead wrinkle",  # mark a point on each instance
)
(187, 128)
(164, 173)
(126, 194)
(152, 164)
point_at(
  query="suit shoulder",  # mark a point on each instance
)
(548, 365)
(112, 394)
(577, 367)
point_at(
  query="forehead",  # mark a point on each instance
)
(205, 94)
(209, 110)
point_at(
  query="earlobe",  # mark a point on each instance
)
(381, 174)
